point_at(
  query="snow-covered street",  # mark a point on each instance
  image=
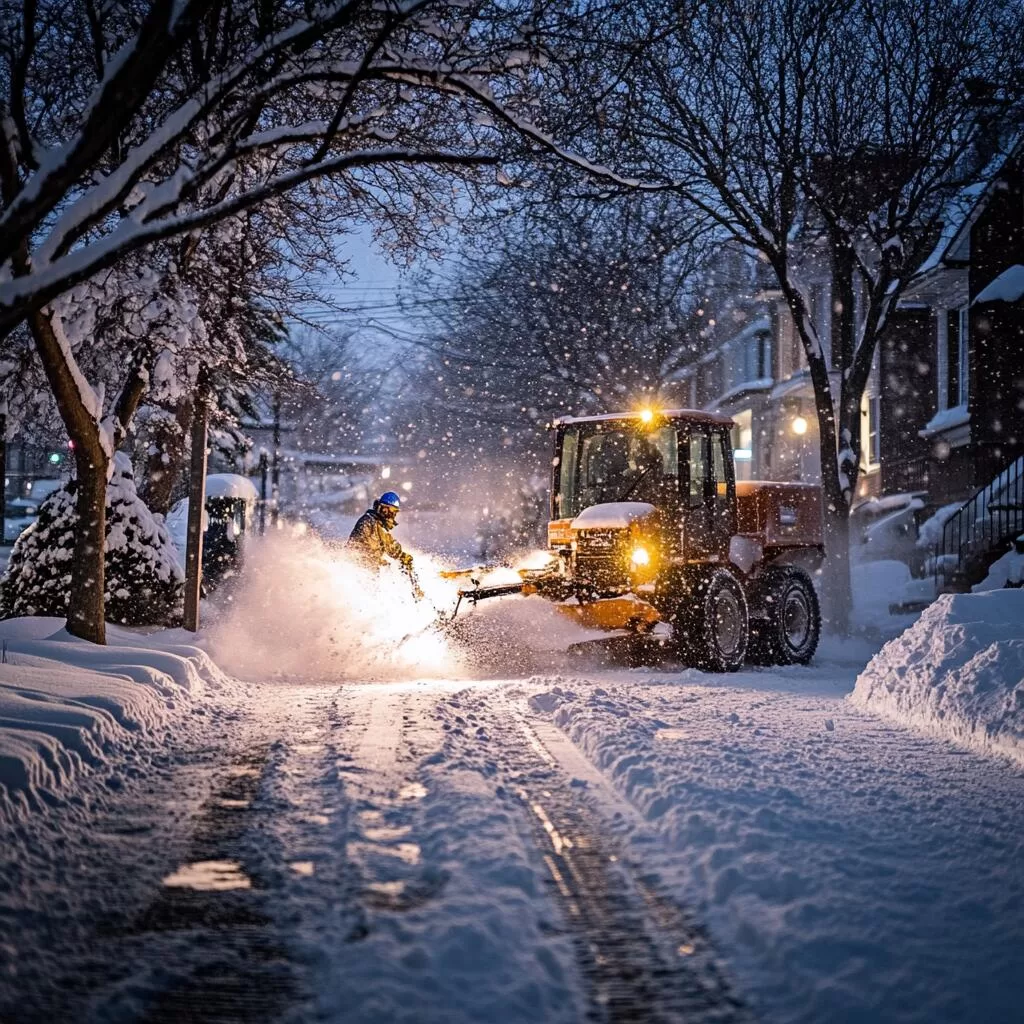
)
(513, 513)
(608, 845)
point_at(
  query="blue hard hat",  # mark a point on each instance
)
(390, 498)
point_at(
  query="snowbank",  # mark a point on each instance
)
(957, 672)
(68, 706)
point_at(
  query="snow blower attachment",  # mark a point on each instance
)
(649, 525)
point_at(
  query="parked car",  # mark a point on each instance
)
(43, 488)
(19, 513)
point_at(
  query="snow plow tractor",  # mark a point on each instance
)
(652, 535)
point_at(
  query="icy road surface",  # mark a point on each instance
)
(629, 846)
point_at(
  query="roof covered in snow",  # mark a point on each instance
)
(1007, 287)
(230, 485)
(697, 415)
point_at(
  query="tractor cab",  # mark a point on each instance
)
(633, 493)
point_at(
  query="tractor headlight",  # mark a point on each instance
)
(639, 557)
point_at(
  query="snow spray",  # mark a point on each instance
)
(306, 609)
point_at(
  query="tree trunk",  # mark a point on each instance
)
(836, 590)
(85, 605)
(275, 466)
(837, 585)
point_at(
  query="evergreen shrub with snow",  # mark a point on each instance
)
(144, 581)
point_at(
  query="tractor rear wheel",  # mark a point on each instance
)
(788, 624)
(711, 626)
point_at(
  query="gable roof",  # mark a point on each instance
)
(964, 209)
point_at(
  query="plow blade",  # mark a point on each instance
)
(624, 650)
(611, 613)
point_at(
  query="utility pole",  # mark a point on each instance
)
(263, 493)
(275, 467)
(196, 506)
(3, 476)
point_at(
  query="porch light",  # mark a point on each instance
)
(799, 426)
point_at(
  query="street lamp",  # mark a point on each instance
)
(799, 426)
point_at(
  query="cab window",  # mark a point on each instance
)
(566, 497)
(718, 472)
(698, 470)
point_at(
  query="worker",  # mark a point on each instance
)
(372, 541)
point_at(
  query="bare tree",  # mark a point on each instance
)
(579, 313)
(853, 119)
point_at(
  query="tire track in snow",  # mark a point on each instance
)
(383, 789)
(643, 957)
(236, 970)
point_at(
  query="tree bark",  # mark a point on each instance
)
(196, 506)
(837, 588)
(275, 466)
(837, 592)
(128, 402)
(85, 605)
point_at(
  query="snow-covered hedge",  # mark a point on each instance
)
(144, 580)
(958, 672)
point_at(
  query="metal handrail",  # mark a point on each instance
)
(906, 474)
(984, 522)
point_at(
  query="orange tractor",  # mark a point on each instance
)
(649, 526)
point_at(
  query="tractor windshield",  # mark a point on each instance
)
(615, 461)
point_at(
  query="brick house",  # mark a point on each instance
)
(951, 365)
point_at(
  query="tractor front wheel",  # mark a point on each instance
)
(711, 626)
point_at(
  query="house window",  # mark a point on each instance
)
(743, 443)
(756, 358)
(791, 357)
(870, 430)
(874, 447)
(957, 363)
(964, 335)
